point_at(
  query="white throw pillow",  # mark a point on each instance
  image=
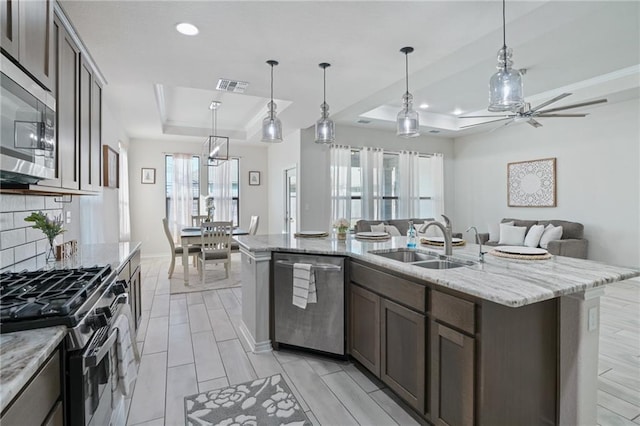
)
(550, 233)
(512, 235)
(391, 230)
(378, 228)
(533, 236)
(494, 231)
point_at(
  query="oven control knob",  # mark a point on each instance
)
(97, 321)
(119, 288)
(104, 310)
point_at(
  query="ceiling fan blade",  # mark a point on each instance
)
(485, 122)
(550, 101)
(560, 115)
(534, 123)
(599, 101)
(511, 121)
(487, 116)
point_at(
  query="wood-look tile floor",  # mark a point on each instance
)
(190, 343)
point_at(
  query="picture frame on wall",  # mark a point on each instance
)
(148, 175)
(532, 183)
(254, 178)
(110, 167)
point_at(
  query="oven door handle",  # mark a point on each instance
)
(91, 357)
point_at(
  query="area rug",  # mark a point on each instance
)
(266, 401)
(214, 278)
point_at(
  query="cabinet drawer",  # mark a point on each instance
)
(33, 404)
(395, 288)
(454, 311)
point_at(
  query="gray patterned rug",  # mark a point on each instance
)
(267, 401)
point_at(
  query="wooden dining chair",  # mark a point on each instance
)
(215, 246)
(176, 251)
(253, 225)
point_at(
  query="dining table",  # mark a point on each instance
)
(192, 235)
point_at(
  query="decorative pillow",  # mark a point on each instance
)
(378, 228)
(550, 233)
(494, 231)
(512, 235)
(391, 230)
(533, 236)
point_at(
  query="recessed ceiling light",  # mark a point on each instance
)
(457, 111)
(424, 105)
(187, 29)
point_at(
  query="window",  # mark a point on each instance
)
(235, 188)
(195, 184)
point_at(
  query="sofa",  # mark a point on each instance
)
(401, 224)
(571, 244)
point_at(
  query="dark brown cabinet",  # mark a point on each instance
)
(402, 346)
(452, 375)
(27, 36)
(364, 341)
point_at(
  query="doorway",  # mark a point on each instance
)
(291, 200)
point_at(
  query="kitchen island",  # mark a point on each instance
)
(497, 342)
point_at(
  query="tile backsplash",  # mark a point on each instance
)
(21, 246)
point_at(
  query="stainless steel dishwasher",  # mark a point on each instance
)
(321, 325)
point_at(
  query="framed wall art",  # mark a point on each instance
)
(532, 183)
(110, 167)
(148, 175)
(254, 178)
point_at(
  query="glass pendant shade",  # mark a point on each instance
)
(271, 125)
(325, 128)
(408, 120)
(506, 90)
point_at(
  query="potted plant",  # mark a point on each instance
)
(50, 227)
(342, 226)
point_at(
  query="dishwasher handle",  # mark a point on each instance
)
(316, 266)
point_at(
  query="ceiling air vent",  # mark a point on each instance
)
(233, 86)
(362, 121)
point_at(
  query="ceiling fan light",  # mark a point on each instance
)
(271, 125)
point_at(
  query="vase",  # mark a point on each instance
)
(51, 253)
(342, 236)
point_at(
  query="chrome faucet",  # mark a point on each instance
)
(446, 231)
(480, 254)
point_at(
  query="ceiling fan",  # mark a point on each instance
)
(528, 114)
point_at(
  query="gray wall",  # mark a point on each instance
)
(598, 178)
(313, 175)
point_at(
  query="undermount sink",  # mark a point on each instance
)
(423, 259)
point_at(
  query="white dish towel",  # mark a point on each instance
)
(304, 285)
(127, 350)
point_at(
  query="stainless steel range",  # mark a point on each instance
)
(86, 300)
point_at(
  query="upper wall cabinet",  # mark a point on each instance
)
(27, 36)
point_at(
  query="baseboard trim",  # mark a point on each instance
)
(256, 347)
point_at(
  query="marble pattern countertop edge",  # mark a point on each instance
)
(21, 355)
(508, 282)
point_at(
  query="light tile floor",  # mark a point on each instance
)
(190, 343)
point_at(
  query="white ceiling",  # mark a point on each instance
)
(160, 83)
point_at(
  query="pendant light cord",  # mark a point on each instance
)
(504, 35)
(271, 106)
(406, 70)
(324, 86)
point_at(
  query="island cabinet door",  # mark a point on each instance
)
(452, 373)
(403, 354)
(364, 340)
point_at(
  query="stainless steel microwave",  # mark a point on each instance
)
(27, 127)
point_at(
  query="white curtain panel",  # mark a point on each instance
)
(123, 194)
(408, 184)
(182, 197)
(371, 164)
(222, 199)
(437, 185)
(340, 172)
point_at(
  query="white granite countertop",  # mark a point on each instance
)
(21, 354)
(114, 254)
(508, 282)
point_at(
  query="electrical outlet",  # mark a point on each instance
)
(68, 217)
(592, 322)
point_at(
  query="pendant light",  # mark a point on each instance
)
(505, 86)
(271, 125)
(408, 121)
(217, 146)
(325, 129)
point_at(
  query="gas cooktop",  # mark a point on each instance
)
(47, 298)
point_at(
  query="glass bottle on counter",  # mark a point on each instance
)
(411, 236)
